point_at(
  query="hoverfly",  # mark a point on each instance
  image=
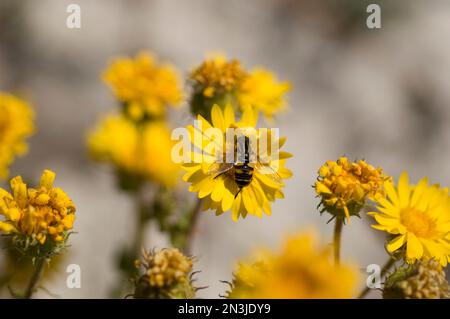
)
(244, 165)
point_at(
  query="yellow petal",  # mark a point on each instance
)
(217, 118)
(229, 115)
(396, 243)
(403, 190)
(7, 228)
(47, 179)
(414, 249)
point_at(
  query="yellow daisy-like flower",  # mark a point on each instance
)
(144, 86)
(261, 91)
(344, 186)
(37, 213)
(221, 81)
(142, 150)
(220, 192)
(302, 270)
(418, 216)
(16, 124)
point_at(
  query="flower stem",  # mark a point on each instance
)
(384, 270)
(35, 278)
(337, 239)
(192, 226)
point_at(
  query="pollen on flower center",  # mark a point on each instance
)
(418, 222)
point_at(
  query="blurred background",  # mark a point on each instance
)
(381, 94)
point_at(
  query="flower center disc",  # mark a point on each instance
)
(418, 222)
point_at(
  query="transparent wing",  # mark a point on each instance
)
(219, 168)
(268, 171)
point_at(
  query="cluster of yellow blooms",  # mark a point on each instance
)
(37, 213)
(166, 275)
(16, 124)
(224, 81)
(144, 85)
(142, 150)
(302, 270)
(344, 186)
(221, 193)
(137, 141)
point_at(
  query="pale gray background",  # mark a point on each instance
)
(382, 95)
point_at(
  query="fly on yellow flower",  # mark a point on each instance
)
(302, 270)
(141, 150)
(345, 186)
(36, 215)
(418, 217)
(224, 180)
(143, 85)
(16, 124)
(221, 81)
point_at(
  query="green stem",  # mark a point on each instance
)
(35, 278)
(337, 239)
(384, 270)
(141, 222)
(186, 245)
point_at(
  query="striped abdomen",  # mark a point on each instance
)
(243, 174)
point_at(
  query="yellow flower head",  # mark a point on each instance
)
(300, 271)
(261, 91)
(166, 275)
(221, 81)
(345, 186)
(220, 191)
(141, 150)
(418, 217)
(37, 213)
(16, 124)
(218, 76)
(143, 85)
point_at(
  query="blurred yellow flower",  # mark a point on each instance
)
(221, 81)
(221, 192)
(302, 270)
(345, 186)
(140, 149)
(166, 275)
(217, 76)
(16, 124)
(37, 213)
(261, 91)
(144, 86)
(418, 217)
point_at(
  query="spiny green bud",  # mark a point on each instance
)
(167, 274)
(423, 280)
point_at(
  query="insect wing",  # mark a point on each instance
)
(219, 168)
(267, 170)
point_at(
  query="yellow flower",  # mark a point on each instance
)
(139, 149)
(166, 275)
(217, 76)
(16, 124)
(418, 217)
(261, 91)
(144, 86)
(221, 81)
(37, 213)
(220, 192)
(345, 186)
(302, 270)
